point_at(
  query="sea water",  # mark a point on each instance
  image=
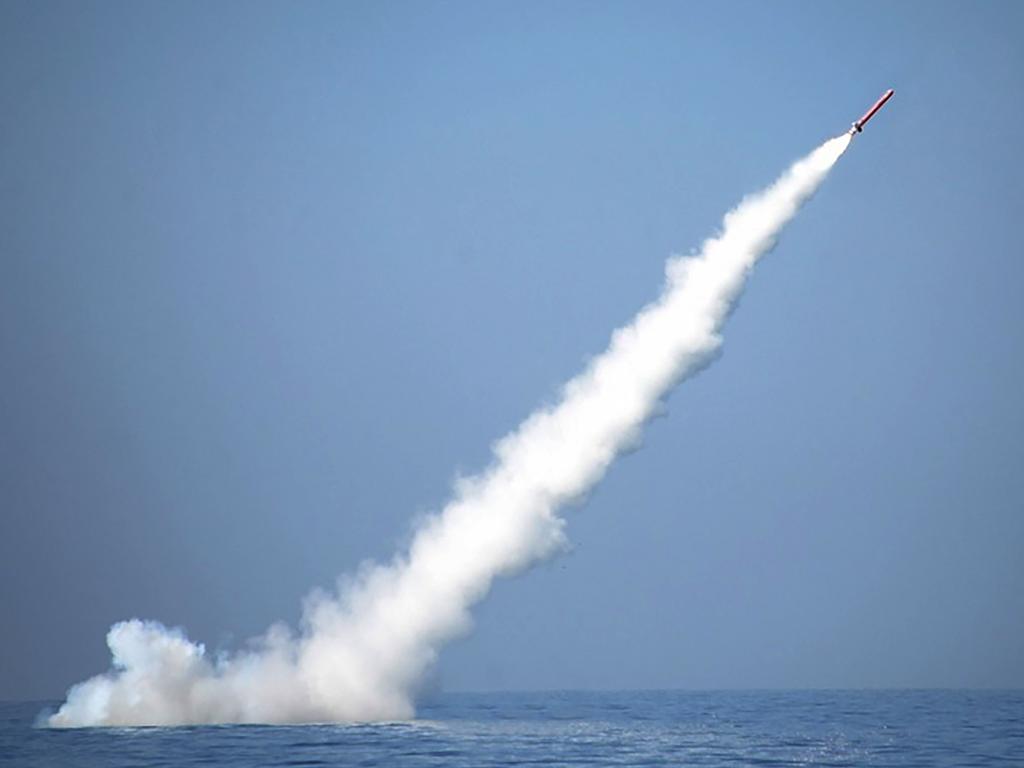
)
(635, 728)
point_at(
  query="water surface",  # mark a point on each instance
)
(631, 728)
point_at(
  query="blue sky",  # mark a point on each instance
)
(272, 274)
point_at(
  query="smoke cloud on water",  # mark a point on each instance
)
(361, 651)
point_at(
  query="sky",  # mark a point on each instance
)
(273, 275)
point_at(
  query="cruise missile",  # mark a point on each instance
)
(858, 126)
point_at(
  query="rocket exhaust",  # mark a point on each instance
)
(363, 649)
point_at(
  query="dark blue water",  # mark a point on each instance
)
(818, 728)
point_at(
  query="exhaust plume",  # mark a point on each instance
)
(362, 650)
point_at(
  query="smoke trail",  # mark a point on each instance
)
(361, 652)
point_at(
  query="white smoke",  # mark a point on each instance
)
(362, 651)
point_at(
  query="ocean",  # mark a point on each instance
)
(622, 728)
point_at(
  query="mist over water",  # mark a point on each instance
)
(362, 649)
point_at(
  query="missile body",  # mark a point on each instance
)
(858, 126)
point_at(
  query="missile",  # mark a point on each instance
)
(858, 126)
